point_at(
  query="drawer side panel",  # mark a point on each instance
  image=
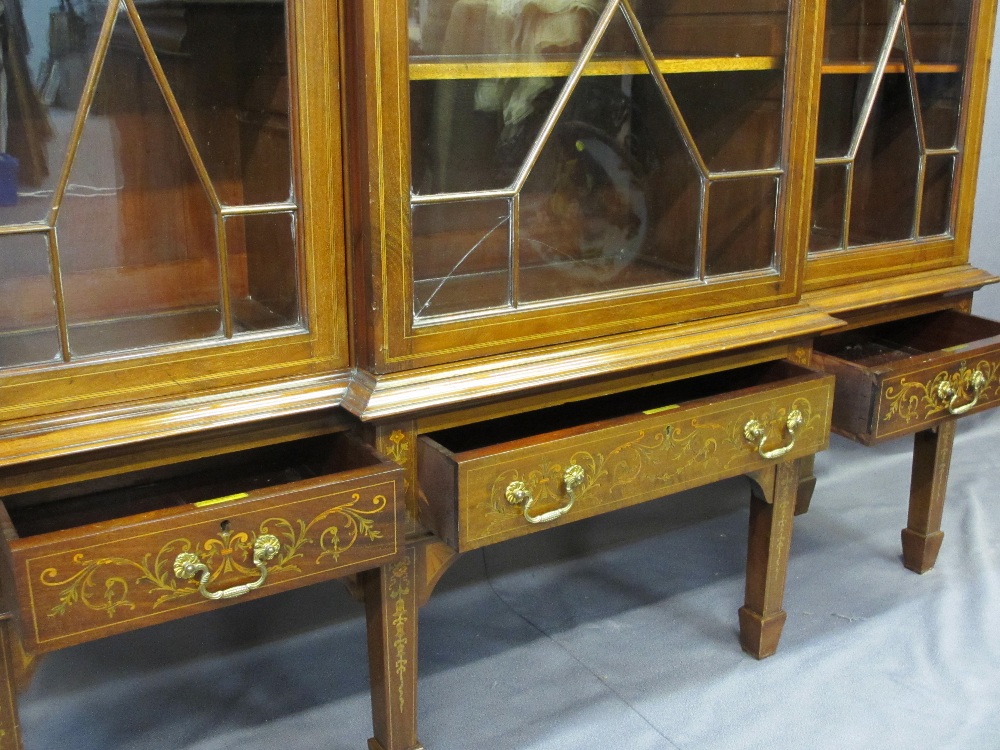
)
(855, 391)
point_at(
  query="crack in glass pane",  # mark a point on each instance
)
(461, 257)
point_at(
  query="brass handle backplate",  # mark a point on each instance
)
(949, 393)
(755, 433)
(518, 493)
(187, 565)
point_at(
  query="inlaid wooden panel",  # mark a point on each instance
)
(650, 450)
(906, 376)
(78, 581)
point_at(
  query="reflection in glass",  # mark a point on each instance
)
(134, 217)
(512, 29)
(572, 115)
(613, 201)
(29, 331)
(741, 217)
(263, 280)
(46, 55)
(474, 134)
(138, 259)
(461, 257)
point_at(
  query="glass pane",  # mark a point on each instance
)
(227, 67)
(890, 199)
(935, 216)
(939, 30)
(885, 177)
(856, 31)
(461, 257)
(263, 281)
(474, 134)
(716, 27)
(842, 96)
(614, 200)
(940, 104)
(29, 330)
(829, 195)
(734, 117)
(513, 30)
(45, 59)
(136, 231)
(741, 216)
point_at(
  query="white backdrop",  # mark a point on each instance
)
(985, 251)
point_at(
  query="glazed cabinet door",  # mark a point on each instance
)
(168, 207)
(536, 172)
(902, 97)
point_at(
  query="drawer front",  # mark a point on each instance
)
(74, 587)
(638, 459)
(952, 385)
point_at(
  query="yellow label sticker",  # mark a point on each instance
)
(217, 500)
(660, 409)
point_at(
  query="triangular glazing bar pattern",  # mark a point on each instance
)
(172, 105)
(597, 35)
(586, 56)
(892, 33)
(897, 32)
(83, 111)
(567, 90)
(675, 110)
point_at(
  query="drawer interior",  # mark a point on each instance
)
(582, 413)
(900, 339)
(108, 498)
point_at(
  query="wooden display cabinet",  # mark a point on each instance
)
(560, 256)
(569, 215)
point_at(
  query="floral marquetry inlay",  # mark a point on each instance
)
(397, 447)
(399, 592)
(111, 583)
(910, 400)
(647, 461)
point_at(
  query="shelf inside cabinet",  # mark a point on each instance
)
(849, 67)
(456, 68)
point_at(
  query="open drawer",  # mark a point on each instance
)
(88, 559)
(905, 376)
(502, 478)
